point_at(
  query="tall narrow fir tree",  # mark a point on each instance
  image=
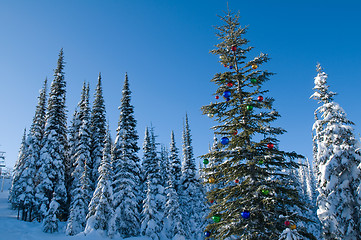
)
(98, 132)
(35, 140)
(101, 207)
(15, 189)
(153, 204)
(126, 167)
(337, 166)
(51, 187)
(81, 192)
(174, 164)
(190, 187)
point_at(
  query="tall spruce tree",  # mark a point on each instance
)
(53, 152)
(190, 186)
(174, 223)
(15, 189)
(71, 157)
(98, 132)
(35, 139)
(101, 208)
(248, 209)
(174, 163)
(26, 197)
(336, 163)
(126, 167)
(81, 192)
(149, 154)
(153, 204)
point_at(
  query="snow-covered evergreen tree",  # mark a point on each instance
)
(126, 167)
(174, 223)
(81, 192)
(149, 154)
(101, 208)
(50, 223)
(16, 188)
(35, 139)
(98, 132)
(153, 204)
(174, 163)
(190, 186)
(188, 163)
(71, 157)
(26, 182)
(336, 164)
(53, 153)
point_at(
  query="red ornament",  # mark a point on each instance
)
(211, 201)
(260, 98)
(230, 84)
(225, 65)
(217, 97)
(236, 181)
(287, 223)
(270, 145)
(235, 132)
(234, 48)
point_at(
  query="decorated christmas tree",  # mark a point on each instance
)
(254, 188)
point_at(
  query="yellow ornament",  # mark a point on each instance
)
(211, 180)
(254, 66)
(293, 227)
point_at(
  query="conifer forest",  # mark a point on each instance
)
(72, 175)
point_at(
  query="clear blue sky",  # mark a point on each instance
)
(164, 46)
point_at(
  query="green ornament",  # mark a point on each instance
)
(265, 192)
(253, 80)
(205, 161)
(260, 162)
(216, 218)
(249, 107)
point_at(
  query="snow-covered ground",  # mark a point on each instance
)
(13, 229)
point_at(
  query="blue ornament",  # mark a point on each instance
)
(224, 140)
(246, 214)
(230, 67)
(226, 94)
(227, 99)
(207, 234)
